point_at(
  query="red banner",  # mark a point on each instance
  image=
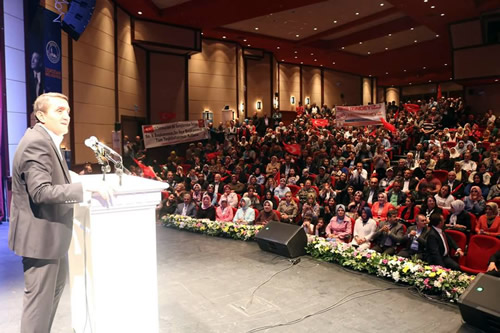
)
(413, 108)
(388, 126)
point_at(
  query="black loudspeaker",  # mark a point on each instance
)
(78, 17)
(284, 239)
(479, 304)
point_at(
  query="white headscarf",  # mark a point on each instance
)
(458, 207)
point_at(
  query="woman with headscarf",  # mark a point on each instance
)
(206, 210)
(489, 223)
(224, 213)
(357, 205)
(381, 207)
(267, 214)
(461, 147)
(364, 229)
(340, 226)
(196, 193)
(269, 195)
(478, 182)
(474, 202)
(245, 214)
(459, 218)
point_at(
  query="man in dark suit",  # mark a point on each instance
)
(187, 208)
(456, 187)
(438, 245)
(415, 238)
(370, 193)
(389, 234)
(41, 219)
(494, 264)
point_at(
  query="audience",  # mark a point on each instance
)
(415, 239)
(335, 169)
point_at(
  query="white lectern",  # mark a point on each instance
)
(116, 246)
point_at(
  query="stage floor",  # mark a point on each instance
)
(205, 284)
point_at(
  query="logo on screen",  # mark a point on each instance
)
(53, 52)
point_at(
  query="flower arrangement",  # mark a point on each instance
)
(212, 228)
(430, 279)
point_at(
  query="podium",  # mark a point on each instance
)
(112, 259)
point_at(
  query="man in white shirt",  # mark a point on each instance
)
(468, 164)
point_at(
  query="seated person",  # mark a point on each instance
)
(308, 226)
(229, 196)
(409, 211)
(489, 223)
(494, 264)
(320, 228)
(459, 219)
(364, 229)
(326, 192)
(381, 208)
(305, 192)
(288, 209)
(389, 234)
(206, 210)
(224, 213)
(245, 214)
(430, 207)
(311, 208)
(268, 195)
(494, 193)
(444, 197)
(395, 195)
(187, 208)
(477, 181)
(439, 244)
(254, 198)
(267, 214)
(282, 189)
(357, 206)
(340, 226)
(474, 202)
(415, 239)
(168, 205)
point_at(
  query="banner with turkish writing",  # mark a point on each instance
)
(361, 115)
(160, 135)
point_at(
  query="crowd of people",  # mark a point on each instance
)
(392, 188)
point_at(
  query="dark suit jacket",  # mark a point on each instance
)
(407, 241)
(458, 188)
(434, 247)
(366, 193)
(401, 197)
(396, 235)
(191, 209)
(41, 214)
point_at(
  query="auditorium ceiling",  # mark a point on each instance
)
(398, 41)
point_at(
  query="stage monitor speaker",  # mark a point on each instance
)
(479, 304)
(78, 17)
(284, 239)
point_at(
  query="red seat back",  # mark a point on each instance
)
(481, 248)
(442, 175)
(459, 238)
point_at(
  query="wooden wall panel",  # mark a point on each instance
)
(311, 84)
(259, 86)
(341, 84)
(289, 86)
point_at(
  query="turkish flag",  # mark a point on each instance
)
(388, 126)
(320, 122)
(148, 171)
(413, 108)
(293, 149)
(165, 117)
(439, 92)
(211, 156)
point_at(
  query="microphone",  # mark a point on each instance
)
(95, 144)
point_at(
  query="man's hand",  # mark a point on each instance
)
(460, 252)
(492, 267)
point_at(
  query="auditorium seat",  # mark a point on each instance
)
(459, 238)
(278, 214)
(442, 175)
(481, 248)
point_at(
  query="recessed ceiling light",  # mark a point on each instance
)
(369, 52)
(404, 70)
(295, 52)
(424, 67)
(360, 43)
(451, 78)
(139, 12)
(389, 35)
(370, 75)
(412, 29)
(301, 62)
(415, 41)
(426, 0)
(256, 28)
(343, 47)
(278, 47)
(224, 37)
(410, 83)
(315, 59)
(202, 33)
(442, 14)
(295, 57)
(432, 7)
(321, 65)
(297, 35)
(282, 59)
(315, 28)
(386, 48)
(381, 5)
(430, 80)
(246, 40)
(357, 13)
(446, 64)
(333, 63)
(335, 21)
(249, 45)
(386, 73)
(496, 80)
(312, 53)
(437, 36)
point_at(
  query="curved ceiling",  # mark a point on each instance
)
(398, 41)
